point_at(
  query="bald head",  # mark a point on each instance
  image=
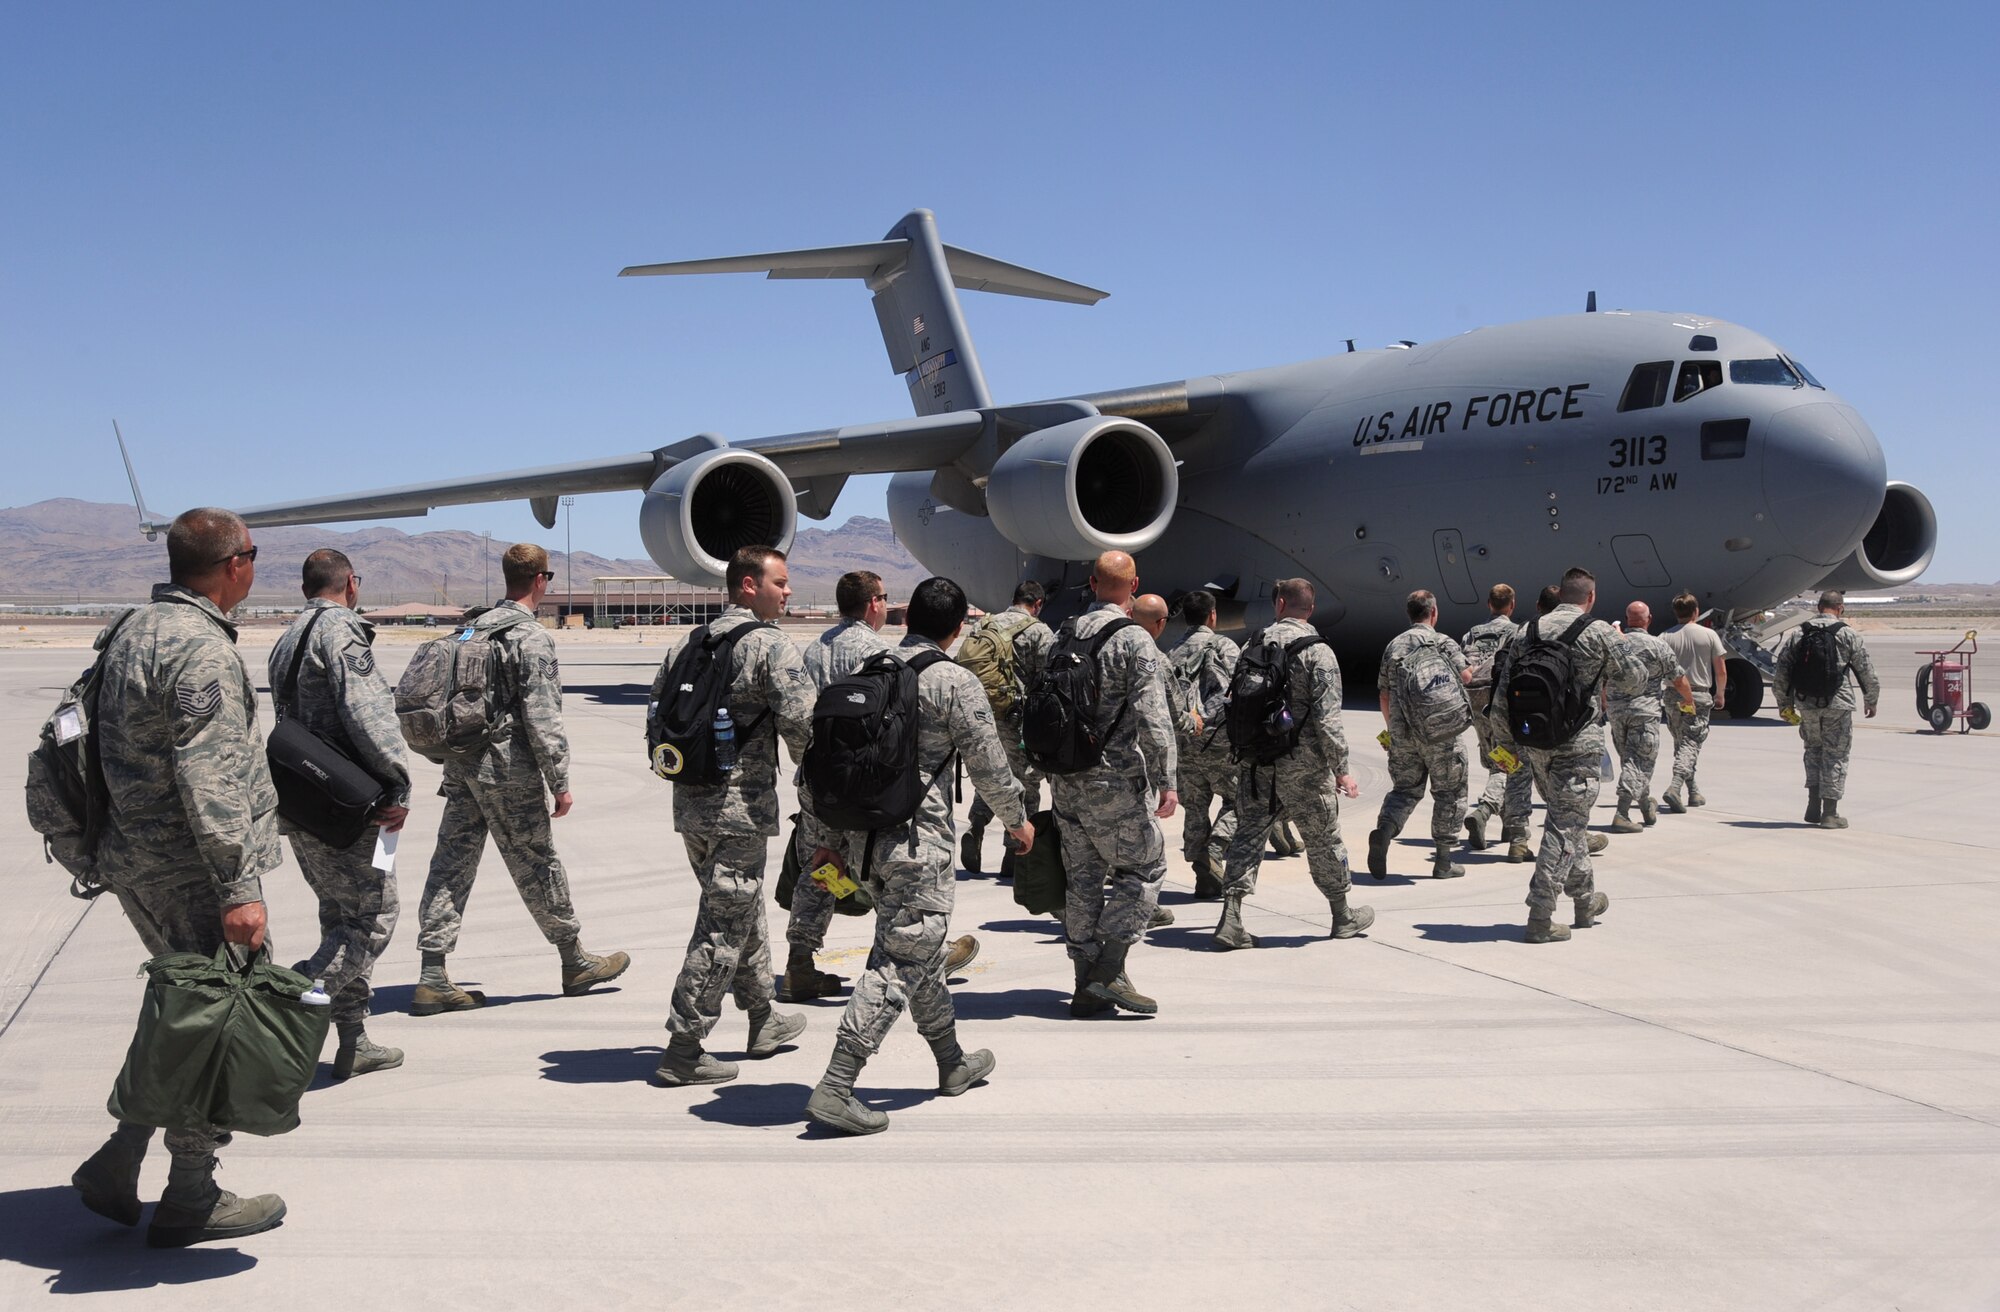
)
(1115, 577)
(1638, 617)
(1151, 612)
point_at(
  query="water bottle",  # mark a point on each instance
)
(725, 740)
(316, 996)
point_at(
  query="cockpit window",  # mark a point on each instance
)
(1647, 387)
(1770, 373)
(1697, 376)
(1805, 374)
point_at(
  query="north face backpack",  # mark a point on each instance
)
(1817, 668)
(988, 651)
(449, 700)
(67, 798)
(1545, 705)
(1431, 696)
(1059, 719)
(1262, 724)
(862, 768)
(680, 715)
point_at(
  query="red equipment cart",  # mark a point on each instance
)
(1944, 688)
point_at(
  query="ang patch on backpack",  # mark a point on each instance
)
(1262, 724)
(66, 795)
(1060, 731)
(1431, 697)
(862, 768)
(1545, 705)
(680, 715)
(1816, 668)
(988, 651)
(449, 700)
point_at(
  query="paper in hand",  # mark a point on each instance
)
(385, 851)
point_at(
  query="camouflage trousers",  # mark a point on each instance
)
(1509, 796)
(1690, 732)
(1205, 776)
(1025, 774)
(1303, 789)
(178, 915)
(1828, 733)
(730, 947)
(812, 905)
(1414, 763)
(905, 971)
(1635, 736)
(1115, 857)
(516, 814)
(1568, 781)
(357, 914)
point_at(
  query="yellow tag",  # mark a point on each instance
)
(1687, 708)
(1790, 716)
(1506, 760)
(1383, 738)
(829, 878)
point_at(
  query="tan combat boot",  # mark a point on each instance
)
(194, 1210)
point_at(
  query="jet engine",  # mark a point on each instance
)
(1086, 486)
(698, 513)
(1897, 547)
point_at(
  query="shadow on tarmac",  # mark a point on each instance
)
(610, 694)
(50, 1229)
(760, 1106)
(1768, 824)
(396, 997)
(1502, 933)
(1039, 925)
(602, 1065)
(1005, 1004)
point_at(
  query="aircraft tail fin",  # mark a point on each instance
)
(913, 275)
(149, 523)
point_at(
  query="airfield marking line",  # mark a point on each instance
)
(42, 974)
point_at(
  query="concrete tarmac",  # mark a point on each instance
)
(1770, 1077)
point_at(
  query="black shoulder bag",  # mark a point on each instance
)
(320, 789)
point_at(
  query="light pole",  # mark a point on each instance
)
(569, 557)
(486, 560)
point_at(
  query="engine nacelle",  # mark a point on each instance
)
(1897, 547)
(698, 513)
(1084, 487)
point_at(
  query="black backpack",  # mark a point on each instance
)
(67, 797)
(1059, 729)
(1817, 668)
(1545, 705)
(1262, 726)
(680, 715)
(862, 768)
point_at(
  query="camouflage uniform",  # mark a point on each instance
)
(1301, 783)
(345, 699)
(726, 828)
(1828, 731)
(1032, 641)
(193, 817)
(835, 654)
(1509, 796)
(1203, 662)
(1567, 776)
(505, 791)
(1634, 717)
(1111, 841)
(910, 869)
(1415, 760)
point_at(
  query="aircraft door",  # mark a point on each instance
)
(1639, 561)
(1453, 567)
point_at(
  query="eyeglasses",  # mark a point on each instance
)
(249, 553)
(548, 574)
(880, 596)
(355, 579)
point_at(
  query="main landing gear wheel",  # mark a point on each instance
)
(1940, 718)
(1745, 695)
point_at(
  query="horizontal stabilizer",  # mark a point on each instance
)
(877, 262)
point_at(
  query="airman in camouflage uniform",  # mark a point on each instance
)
(1828, 730)
(192, 825)
(1634, 718)
(1112, 847)
(909, 872)
(342, 697)
(1031, 641)
(1567, 776)
(1203, 662)
(727, 828)
(501, 791)
(1305, 784)
(1416, 756)
(1510, 797)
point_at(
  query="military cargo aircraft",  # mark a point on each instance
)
(1662, 451)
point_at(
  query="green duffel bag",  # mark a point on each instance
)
(857, 903)
(1040, 883)
(222, 1044)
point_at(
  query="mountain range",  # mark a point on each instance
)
(63, 550)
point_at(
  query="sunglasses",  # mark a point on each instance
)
(249, 553)
(548, 574)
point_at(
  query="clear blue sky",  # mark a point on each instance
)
(313, 248)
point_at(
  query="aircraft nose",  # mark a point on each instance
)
(1824, 479)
